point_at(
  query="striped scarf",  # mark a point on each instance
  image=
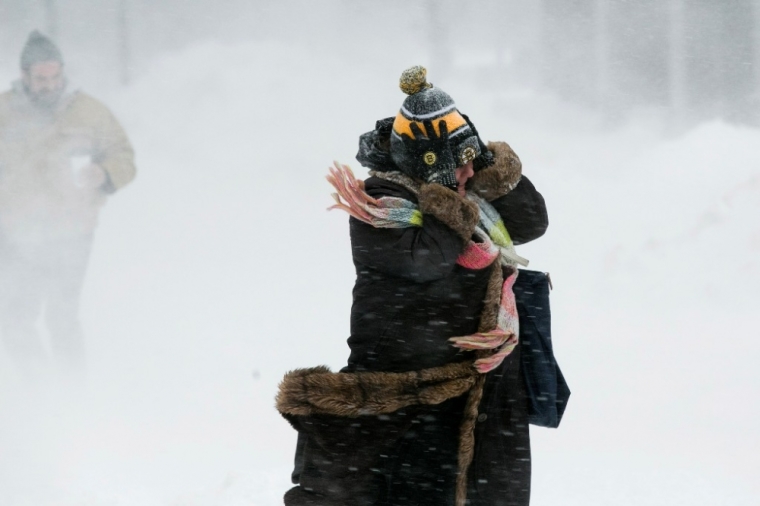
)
(492, 242)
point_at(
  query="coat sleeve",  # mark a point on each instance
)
(423, 253)
(114, 151)
(513, 195)
(523, 211)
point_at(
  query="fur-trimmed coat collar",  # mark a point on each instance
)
(501, 177)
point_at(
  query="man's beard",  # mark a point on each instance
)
(45, 99)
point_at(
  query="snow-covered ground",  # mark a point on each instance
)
(218, 270)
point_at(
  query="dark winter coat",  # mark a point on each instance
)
(410, 295)
(408, 417)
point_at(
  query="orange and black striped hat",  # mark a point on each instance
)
(427, 103)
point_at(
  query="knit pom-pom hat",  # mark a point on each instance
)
(426, 103)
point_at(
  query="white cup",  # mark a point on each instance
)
(78, 163)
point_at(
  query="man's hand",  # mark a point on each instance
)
(90, 177)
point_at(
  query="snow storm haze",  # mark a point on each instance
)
(218, 269)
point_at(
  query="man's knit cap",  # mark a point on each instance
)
(39, 48)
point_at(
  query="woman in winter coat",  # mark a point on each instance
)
(430, 409)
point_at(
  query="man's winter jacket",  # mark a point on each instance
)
(39, 151)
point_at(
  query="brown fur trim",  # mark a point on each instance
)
(500, 178)
(316, 390)
(467, 439)
(488, 321)
(448, 206)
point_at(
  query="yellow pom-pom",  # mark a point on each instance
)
(413, 80)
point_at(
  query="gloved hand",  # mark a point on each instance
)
(486, 157)
(434, 152)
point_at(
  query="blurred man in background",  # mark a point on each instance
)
(61, 154)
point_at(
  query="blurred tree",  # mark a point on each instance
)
(439, 40)
(756, 62)
(122, 26)
(677, 60)
(52, 19)
(602, 45)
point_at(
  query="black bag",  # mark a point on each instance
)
(545, 386)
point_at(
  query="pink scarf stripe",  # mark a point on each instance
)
(477, 256)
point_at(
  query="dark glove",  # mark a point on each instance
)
(433, 150)
(485, 159)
